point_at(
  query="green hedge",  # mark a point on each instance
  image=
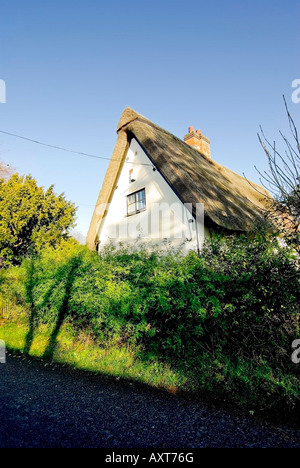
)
(234, 309)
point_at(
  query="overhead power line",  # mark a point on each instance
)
(68, 150)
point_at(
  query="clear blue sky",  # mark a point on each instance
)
(72, 66)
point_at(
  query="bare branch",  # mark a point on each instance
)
(282, 179)
(5, 170)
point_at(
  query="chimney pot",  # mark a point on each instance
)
(198, 141)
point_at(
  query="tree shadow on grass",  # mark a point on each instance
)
(63, 310)
(29, 287)
(65, 274)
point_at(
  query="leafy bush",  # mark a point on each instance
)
(260, 309)
(227, 317)
(31, 218)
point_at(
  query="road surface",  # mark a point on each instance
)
(54, 406)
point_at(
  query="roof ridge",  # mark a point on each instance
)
(128, 116)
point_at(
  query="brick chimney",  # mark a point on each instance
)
(198, 141)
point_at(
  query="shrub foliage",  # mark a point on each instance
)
(31, 218)
(229, 315)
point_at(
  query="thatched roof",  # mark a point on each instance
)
(230, 201)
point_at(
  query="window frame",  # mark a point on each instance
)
(136, 202)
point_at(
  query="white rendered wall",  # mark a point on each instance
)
(166, 220)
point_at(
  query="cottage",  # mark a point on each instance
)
(167, 191)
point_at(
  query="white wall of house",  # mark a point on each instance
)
(164, 221)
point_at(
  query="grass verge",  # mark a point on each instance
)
(80, 351)
(216, 379)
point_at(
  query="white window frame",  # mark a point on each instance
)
(133, 200)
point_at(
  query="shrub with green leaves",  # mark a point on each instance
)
(228, 316)
(31, 218)
(260, 308)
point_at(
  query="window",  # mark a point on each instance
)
(136, 202)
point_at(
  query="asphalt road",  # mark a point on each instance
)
(50, 405)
